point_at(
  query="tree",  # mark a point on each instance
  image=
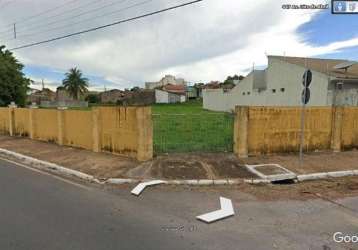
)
(13, 83)
(231, 79)
(135, 89)
(93, 98)
(75, 84)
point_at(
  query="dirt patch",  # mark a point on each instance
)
(200, 166)
(178, 169)
(228, 168)
(334, 188)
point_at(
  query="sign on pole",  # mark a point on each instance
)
(305, 98)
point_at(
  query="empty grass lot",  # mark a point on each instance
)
(186, 127)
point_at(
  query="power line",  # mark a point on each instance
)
(34, 24)
(106, 26)
(77, 15)
(41, 13)
(85, 20)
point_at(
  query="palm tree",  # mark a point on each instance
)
(74, 83)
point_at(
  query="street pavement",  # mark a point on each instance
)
(39, 211)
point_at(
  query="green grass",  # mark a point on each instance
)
(192, 107)
(187, 127)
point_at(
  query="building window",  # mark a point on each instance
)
(243, 93)
(248, 93)
(273, 90)
(282, 89)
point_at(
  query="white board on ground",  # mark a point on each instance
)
(226, 210)
(141, 186)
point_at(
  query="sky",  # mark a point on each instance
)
(202, 42)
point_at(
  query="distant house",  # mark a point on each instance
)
(170, 94)
(112, 96)
(134, 97)
(191, 92)
(138, 97)
(166, 80)
(334, 83)
(62, 95)
(38, 96)
(212, 85)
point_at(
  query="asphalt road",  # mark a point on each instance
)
(39, 211)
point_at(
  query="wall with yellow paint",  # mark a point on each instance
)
(45, 125)
(119, 130)
(350, 128)
(266, 130)
(22, 122)
(126, 131)
(272, 129)
(78, 128)
(4, 121)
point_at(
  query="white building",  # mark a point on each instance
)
(280, 84)
(168, 79)
(162, 96)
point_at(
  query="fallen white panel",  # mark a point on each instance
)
(226, 210)
(141, 186)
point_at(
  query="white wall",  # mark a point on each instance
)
(289, 76)
(182, 98)
(284, 78)
(161, 96)
(215, 99)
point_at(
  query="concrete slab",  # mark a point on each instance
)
(140, 187)
(279, 173)
(226, 210)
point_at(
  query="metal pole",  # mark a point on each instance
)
(303, 118)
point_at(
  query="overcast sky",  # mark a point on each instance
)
(202, 42)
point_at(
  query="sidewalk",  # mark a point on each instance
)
(312, 162)
(100, 165)
(174, 166)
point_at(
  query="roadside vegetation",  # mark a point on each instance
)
(13, 83)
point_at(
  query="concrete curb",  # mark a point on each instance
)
(326, 175)
(43, 165)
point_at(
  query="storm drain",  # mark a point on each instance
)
(273, 172)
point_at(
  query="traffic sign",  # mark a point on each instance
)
(307, 78)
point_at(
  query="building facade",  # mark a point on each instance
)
(280, 84)
(166, 80)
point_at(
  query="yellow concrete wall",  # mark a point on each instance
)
(45, 125)
(119, 130)
(273, 129)
(22, 122)
(4, 121)
(126, 131)
(78, 128)
(350, 128)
